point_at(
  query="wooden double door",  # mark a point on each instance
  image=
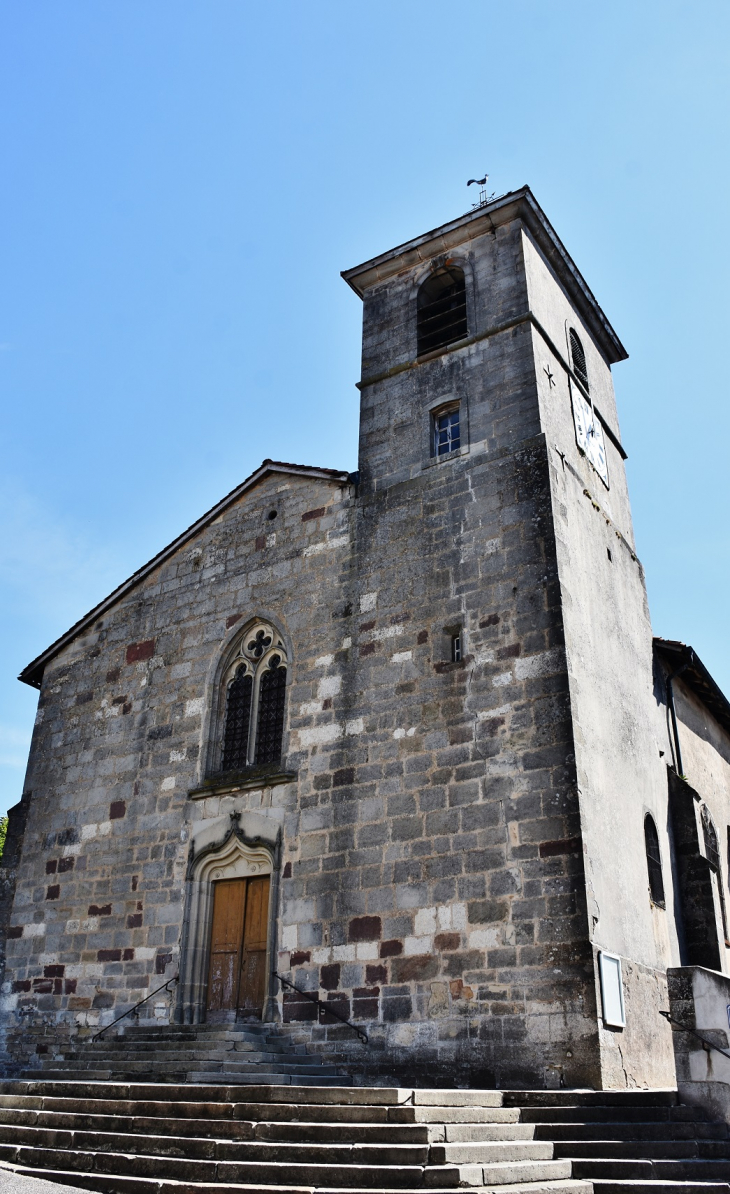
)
(237, 978)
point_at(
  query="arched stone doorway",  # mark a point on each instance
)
(230, 929)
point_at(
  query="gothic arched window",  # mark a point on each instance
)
(578, 356)
(441, 306)
(653, 860)
(254, 687)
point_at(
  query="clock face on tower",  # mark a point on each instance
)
(589, 432)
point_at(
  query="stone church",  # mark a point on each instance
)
(399, 739)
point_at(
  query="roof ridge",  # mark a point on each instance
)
(32, 674)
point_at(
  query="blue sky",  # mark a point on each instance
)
(183, 182)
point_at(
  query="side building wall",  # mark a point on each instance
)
(620, 773)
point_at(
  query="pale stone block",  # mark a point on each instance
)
(168, 783)
(320, 735)
(401, 657)
(289, 937)
(324, 661)
(367, 951)
(484, 938)
(329, 686)
(195, 707)
(356, 726)
(368, 601)
(547, 663)
(387, 632)
(343, 953)
(417, 945)
(458, 916)
(315, 549)
(425, 922)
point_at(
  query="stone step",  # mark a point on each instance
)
(587, 1098)
(680, 1170)
(259, 1151)
(279, 1112)
(279, 1173)
(611, 1186)
(181, 1077)
(197, 1061)
(471, 1153)
(692, 1129)
(112, 1184)
(497, 1173)
(160, 1071)
(161, 1049)
(652, 1149)
(397, 1099)
(223, 1129)
(610, 1113)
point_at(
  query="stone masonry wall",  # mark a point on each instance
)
(432, 885)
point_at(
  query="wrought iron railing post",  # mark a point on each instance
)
(693, 1032)
(134, 1011)
(324, 1007)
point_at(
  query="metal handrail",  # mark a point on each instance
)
(683, 1028)
(325, 1007)
(132, 1010)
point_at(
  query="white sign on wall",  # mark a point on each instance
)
(612, 990)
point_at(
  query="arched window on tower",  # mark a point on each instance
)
(578, 358)
(254, 688)
(441, 309)
(653, 861)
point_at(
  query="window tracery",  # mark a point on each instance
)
(254, 685)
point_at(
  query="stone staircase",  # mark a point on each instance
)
(249, 1052)
(631, 1142)
(146, 1138)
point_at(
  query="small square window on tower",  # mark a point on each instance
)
(457, 647)
(446, 431)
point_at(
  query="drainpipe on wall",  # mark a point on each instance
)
(675, 730)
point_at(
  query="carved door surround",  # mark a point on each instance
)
(235, 856)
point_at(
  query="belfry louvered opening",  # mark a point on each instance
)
(441, 309)
(578, 358)
(254, 701)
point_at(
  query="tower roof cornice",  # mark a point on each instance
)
(517, 205)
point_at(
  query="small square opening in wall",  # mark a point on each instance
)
(612, 990)
(456, 647)
(446, 436)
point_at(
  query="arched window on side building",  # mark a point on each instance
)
(254, 691)
(653, 861)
